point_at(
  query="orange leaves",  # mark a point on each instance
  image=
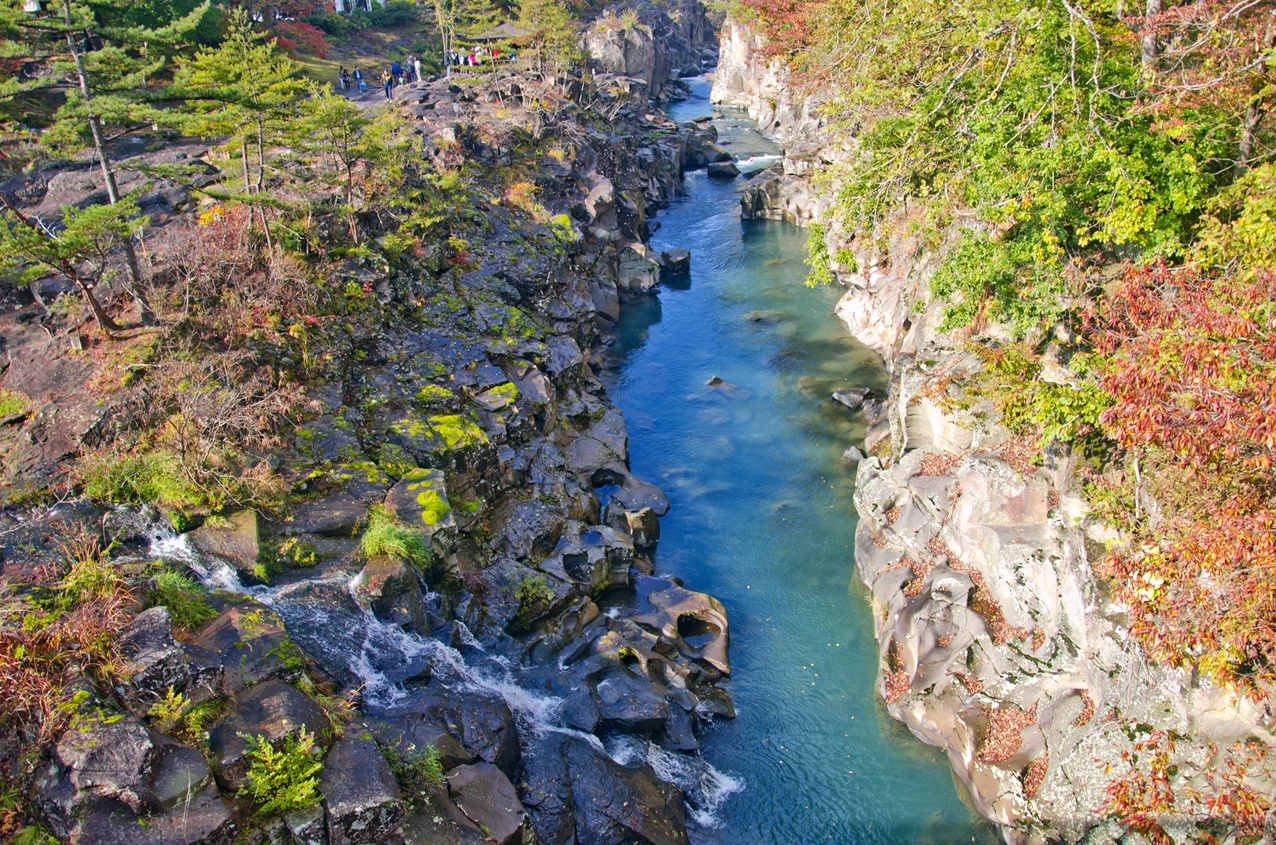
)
(1191, 363)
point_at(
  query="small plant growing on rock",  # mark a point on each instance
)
(385, 535)
(184, 599)
(533, 593)
(167, 711)
(418, 771)
(285, 777)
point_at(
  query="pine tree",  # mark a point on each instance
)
(109, 70)
(245, 89)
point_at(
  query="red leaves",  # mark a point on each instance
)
(1191, 363)
(1192, 366)
(1159, 786)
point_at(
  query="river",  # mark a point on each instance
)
(763, 519)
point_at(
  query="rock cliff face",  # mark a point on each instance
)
(997, 642)
(658, 46)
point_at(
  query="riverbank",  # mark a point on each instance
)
(998, 642)
(422, 606)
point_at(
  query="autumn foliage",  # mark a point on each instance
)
(1192, 369)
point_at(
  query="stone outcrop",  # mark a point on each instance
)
(655, 45)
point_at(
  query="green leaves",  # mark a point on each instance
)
(285, 777)
(79, 245)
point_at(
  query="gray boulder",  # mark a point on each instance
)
(363, 801)
(235, 539)
(153, 659)
(484, 724)
(272, 710)
(723, 170)
(488, 799)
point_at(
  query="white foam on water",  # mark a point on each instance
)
(754, 164)
(467, 636)
(370, 646)
(705, 787)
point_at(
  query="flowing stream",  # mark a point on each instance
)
(763, 519)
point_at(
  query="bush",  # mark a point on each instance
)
(332, 23)
(817, 256)
(396, 13)
(284, 778)
(184, 599)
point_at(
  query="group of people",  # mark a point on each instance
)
(475, 57)
(399, 73)
(409, 70)
(351, 81)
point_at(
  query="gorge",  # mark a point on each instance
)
(586, 521)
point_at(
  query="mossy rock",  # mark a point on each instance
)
(420, 502)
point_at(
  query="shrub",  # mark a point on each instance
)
(286, 777)
(184, 599)
(817, 256)
(396, 13)
(533, 592)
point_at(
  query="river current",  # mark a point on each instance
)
(763, 519)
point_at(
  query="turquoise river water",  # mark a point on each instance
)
(762, 518)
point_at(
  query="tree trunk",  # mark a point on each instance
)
(1249, 133)
(108, 326)
(1150, 48)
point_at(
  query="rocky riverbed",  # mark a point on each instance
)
(560, 679)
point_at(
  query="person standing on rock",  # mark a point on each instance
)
(416, 66)
(387, 82)
(341, 77)
(358, 79)
(395, 70)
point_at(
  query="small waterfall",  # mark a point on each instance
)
(705, 787)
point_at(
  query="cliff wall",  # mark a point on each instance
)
(997, 642)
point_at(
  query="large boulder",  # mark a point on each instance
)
(484, 724)
(420, 501)
(723, 170)
(390, 589)
(154, 662)
(109, 755)
(696, 622)
(630, 702)
(637, 270)
(203, 820)
(247, 643)
(516, 596)
(333, 515)
(576, 793)
(486, 796)
(364, 806)
(235, 539)
(114, 780)
(271, 710)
